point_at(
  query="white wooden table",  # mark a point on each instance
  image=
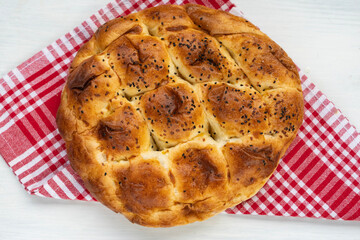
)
(323, 38)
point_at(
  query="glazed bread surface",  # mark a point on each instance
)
(175, 113)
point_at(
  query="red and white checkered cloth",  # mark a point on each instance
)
(318, 177)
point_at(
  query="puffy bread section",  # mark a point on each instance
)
(233, 111)
(92, 104)
(106, 34)
(218, 22)
(173, 113)
(251, 162)
(141, 62)
(81, 77)
(144, 186)
(200, 58)
(199, 170)
(286, 110)
(118, 27)
(165, 18)
(124, 133)
(266, 64)
(91, 88)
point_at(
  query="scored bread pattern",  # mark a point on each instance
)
(175, 113)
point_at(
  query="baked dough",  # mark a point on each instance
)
(175, 113)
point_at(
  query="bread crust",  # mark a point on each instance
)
(175, 113)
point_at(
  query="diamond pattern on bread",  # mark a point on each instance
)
(175, 113)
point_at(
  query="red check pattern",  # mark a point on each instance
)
(318, 177)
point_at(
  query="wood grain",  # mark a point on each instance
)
(321, 36)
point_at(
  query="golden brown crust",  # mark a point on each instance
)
(163, 18)
(285, 107)
(124, 133)
(175, 113)
(141, 62)
(118, 27)
(250, 163)
(217, 22)
(199, 170)
(200, 58)
(266, 65)
(144, 186)
(86, 51)
(81, 77)
(234, 111)
(64, 116)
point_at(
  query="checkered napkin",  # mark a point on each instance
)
(318, 176)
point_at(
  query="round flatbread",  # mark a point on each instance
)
(175, 113)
